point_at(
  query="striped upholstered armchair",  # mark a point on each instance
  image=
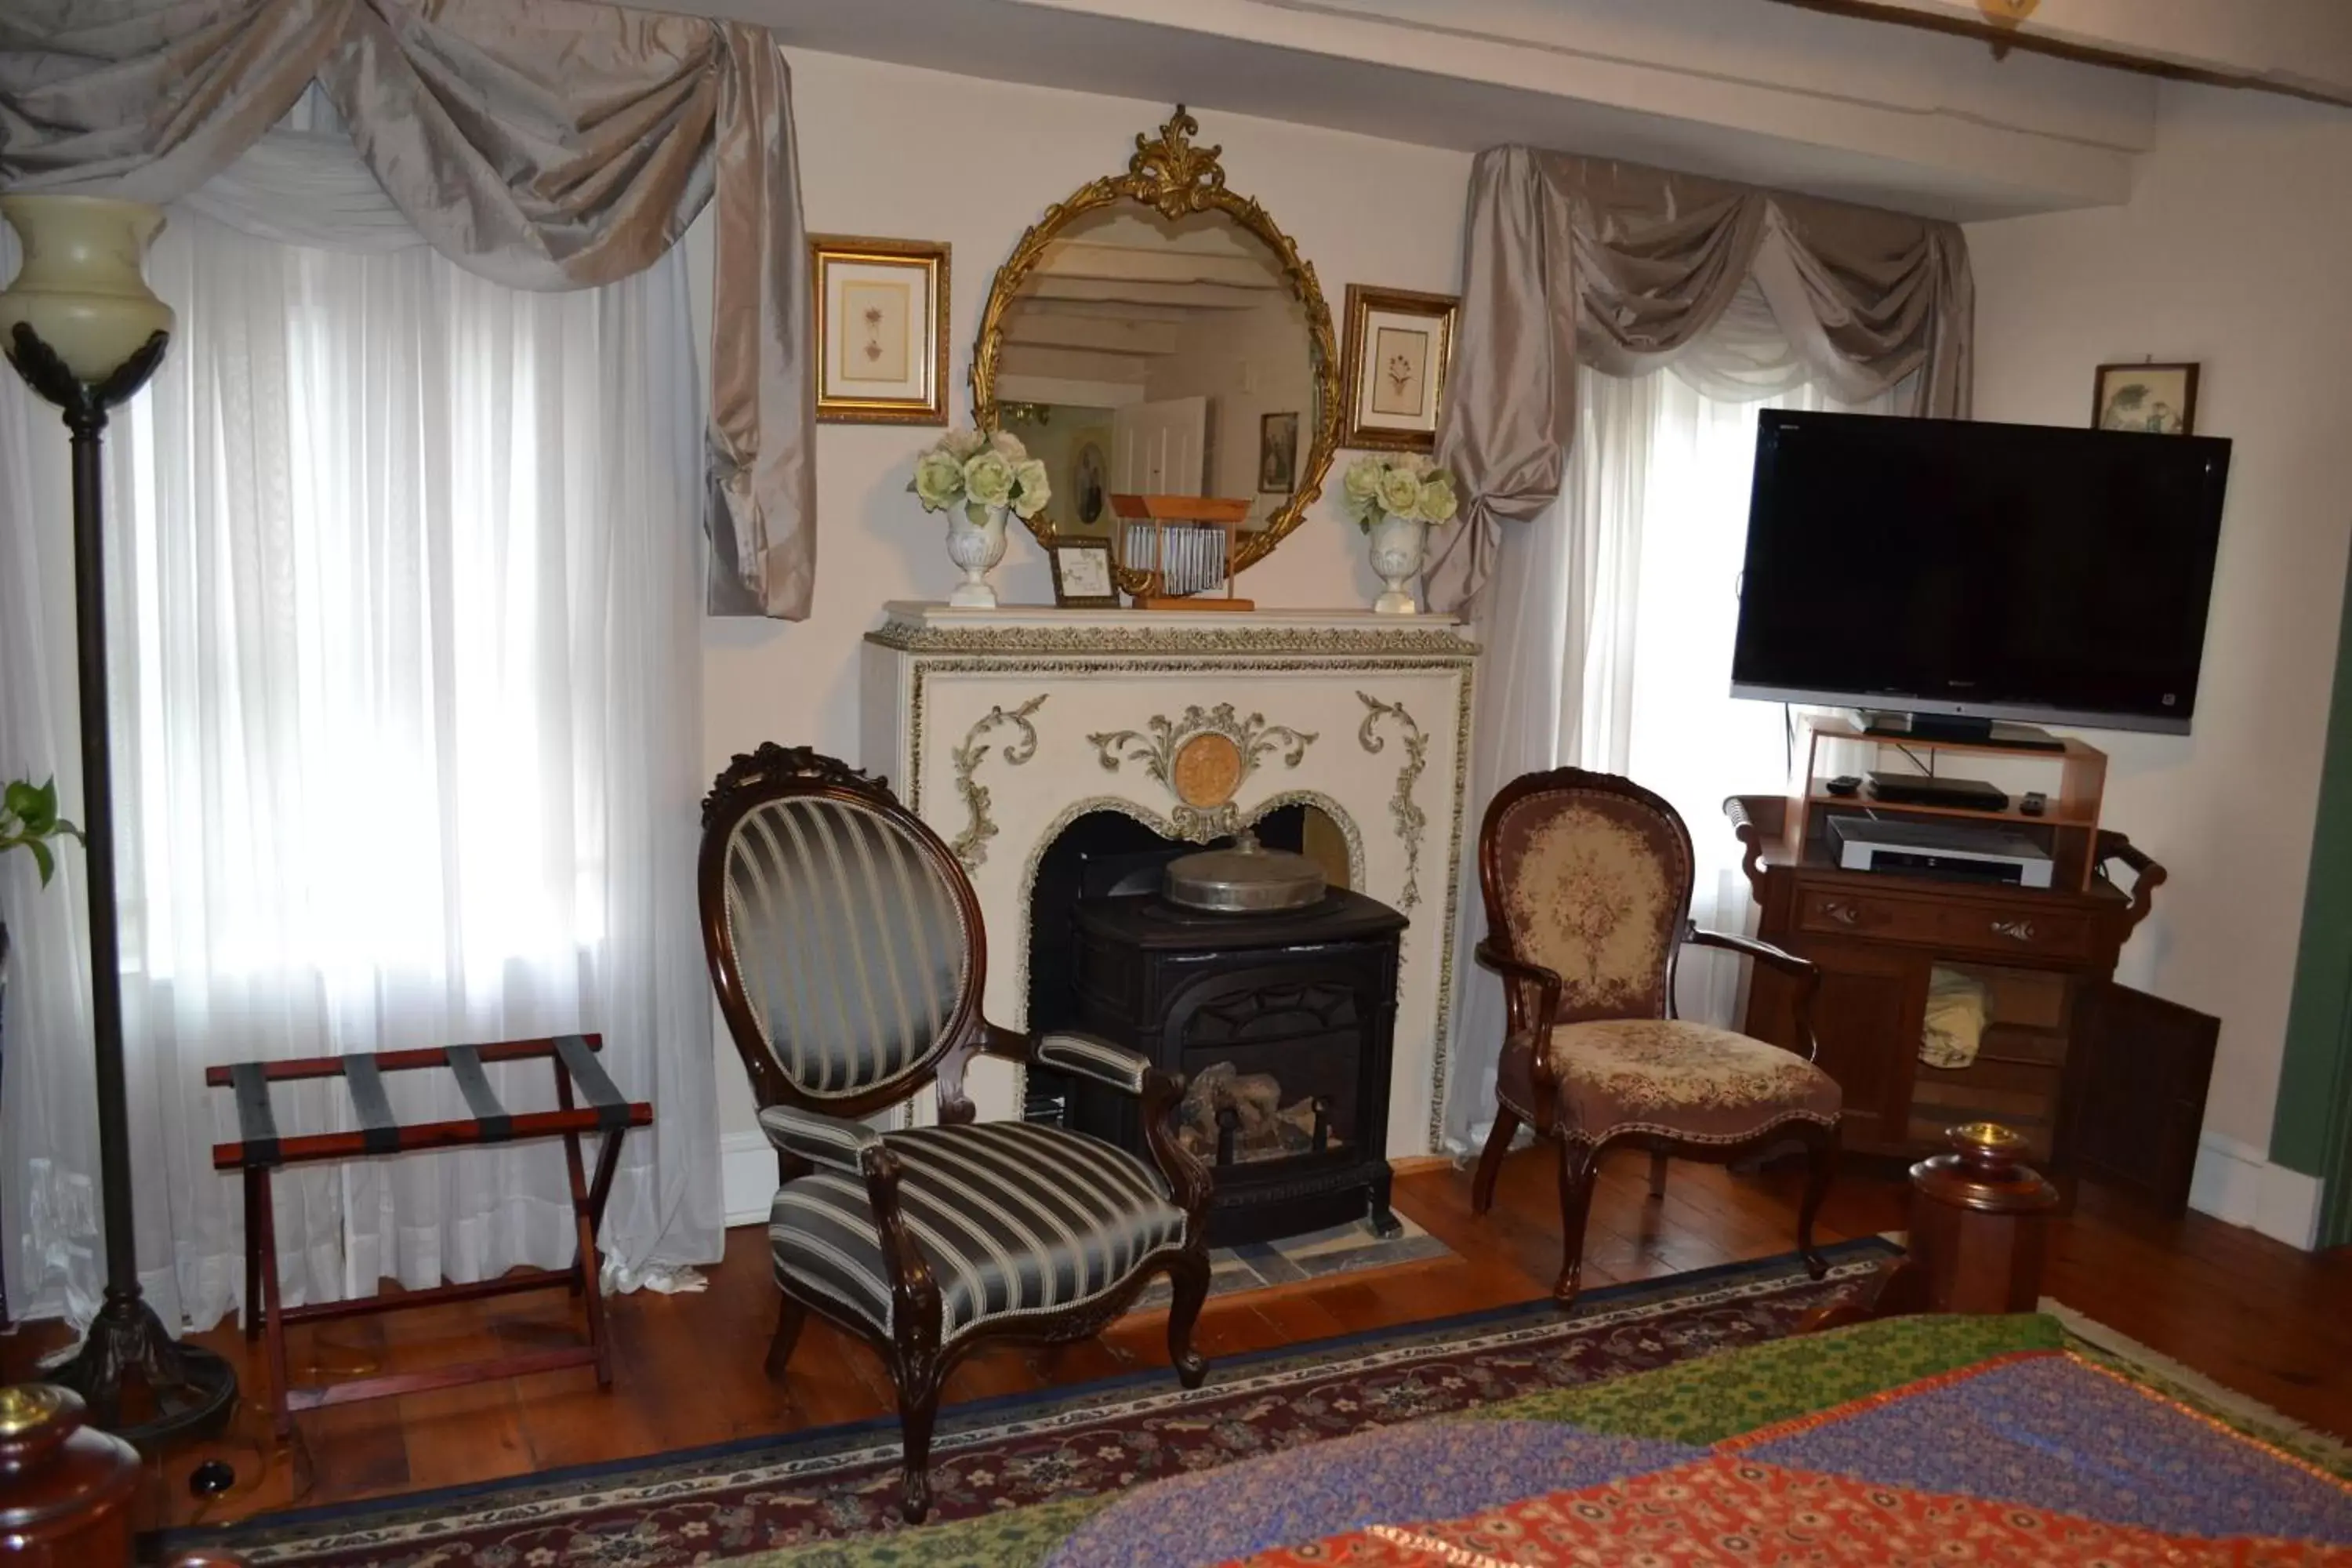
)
(847, 951)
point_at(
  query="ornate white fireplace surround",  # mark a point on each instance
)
(1002, 727)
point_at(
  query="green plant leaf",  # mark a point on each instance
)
(28, 819)
(41, 813)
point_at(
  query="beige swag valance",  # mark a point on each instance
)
(546, 145)
(1573, 260)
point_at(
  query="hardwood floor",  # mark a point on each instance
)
(2253, 1313)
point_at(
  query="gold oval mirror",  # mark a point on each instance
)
(1157, 334)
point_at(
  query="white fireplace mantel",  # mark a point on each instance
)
(1002, 727)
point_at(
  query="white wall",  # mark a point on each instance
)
(891, 150)
(2230, 252)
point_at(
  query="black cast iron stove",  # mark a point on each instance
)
(1284, 1022)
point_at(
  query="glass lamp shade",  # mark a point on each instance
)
(82, 288)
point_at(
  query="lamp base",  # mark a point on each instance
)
(174, 1390)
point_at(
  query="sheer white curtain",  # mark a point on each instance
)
(404, 583)
(1608, 628)
(1689, 738)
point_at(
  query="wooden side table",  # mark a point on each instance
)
(259, 1150)
(1979, 1223)
(65, 1488)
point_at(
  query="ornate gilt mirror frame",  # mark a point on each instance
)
(1174, 178)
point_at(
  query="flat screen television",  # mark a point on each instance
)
(1956, 570)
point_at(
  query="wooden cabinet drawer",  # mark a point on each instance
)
(1840, 913)
(1993, 929)
(1966, 925)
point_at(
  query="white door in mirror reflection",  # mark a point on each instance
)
(1160, 448)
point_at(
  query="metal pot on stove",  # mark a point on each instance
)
(1247, 879)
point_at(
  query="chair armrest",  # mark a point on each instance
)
(1803, 971)
(804, 1138)
(1779, 958)
(914, 1292)
(821, 1140)
(1092, 1056)
(841, 1145)
(1518, 972)
(1188, 1181)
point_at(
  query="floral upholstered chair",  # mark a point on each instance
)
(849, 958)
(1587, 879)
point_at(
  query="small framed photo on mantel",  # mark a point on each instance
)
(1082, 574)
(2158, 398)
(881, 313)
(1398, 344)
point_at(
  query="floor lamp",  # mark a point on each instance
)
(82, 328)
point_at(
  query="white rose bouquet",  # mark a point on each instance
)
(1407, 484)
(974, 471)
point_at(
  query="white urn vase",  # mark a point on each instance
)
(976, 547)
(1398, 544)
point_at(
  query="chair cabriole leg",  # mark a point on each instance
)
(791, 1318)
(1577, 1161)
(1189, 1278)
(1490, 1158)
(1821, 1169)
(918, 1407)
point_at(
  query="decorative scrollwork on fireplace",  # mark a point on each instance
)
(971, 846)
(1410, 821)
(1202, 758)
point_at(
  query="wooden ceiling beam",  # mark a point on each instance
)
(2004, 35)
(1191, 296)
(1095, 334)
(1128, 263)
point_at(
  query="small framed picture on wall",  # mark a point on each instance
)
(2158, 398)
(1398, 344)
(1082, 575)
(881, 312)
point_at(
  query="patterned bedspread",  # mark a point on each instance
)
(2035, 1457)
(1947, 1441)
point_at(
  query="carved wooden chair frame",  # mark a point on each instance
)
(919, 1365)
(1531, 997)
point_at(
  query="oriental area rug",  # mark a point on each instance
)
(1675, 1418)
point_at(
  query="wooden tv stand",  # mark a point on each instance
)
(2099, 1079)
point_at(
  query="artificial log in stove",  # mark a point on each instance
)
(1282, 1019)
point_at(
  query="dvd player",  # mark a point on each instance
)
(1947, 852)
(1922, 789)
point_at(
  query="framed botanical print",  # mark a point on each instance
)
(881, 311)
(1277, 454)
(1397, 347)
(2158, 398)
(1082, 574)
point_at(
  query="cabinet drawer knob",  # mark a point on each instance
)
(2016, 930)
(1843, 913)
